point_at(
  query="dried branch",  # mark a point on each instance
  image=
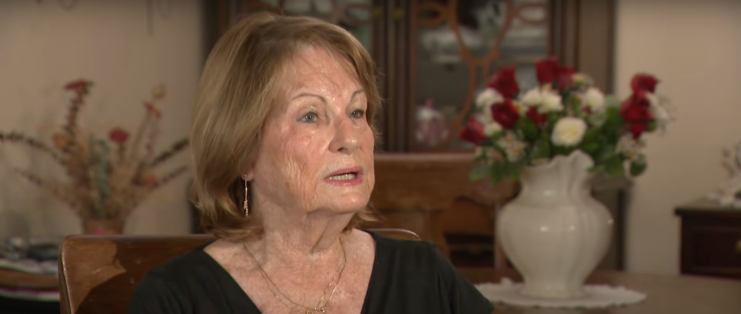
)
(107, 179)
(58, 190)
(15, 137)
(168, 177)
(172, 151)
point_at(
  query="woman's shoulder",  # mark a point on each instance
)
(182, 267)
(406, 252)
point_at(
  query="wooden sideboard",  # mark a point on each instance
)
(711, 239)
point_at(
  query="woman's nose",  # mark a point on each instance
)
(346, 139)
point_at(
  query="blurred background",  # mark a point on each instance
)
(435, 56)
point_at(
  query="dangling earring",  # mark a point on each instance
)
(246, 205)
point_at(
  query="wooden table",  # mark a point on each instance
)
(20, 280)
(666, 294)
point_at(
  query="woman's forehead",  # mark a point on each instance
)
(319, 71)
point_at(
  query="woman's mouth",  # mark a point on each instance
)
(345, 177)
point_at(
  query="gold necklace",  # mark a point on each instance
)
(309, 310)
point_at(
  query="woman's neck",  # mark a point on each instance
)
(303, 241)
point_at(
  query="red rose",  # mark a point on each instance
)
(505, 82)
(564, 77)
(635, 109)
(540, 119)
(505, 113)
(549, 70)
(637, 129)
(118, 136)
(546, 69)
(473, 132)
(643, 82)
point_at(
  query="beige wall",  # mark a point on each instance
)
(694, 47)
(42, 47)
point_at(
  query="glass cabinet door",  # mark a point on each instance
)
(354, 15)
(455, 47)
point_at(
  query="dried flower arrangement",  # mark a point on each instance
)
(108, 178)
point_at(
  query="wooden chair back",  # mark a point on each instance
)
(413, 190)
(98, 274)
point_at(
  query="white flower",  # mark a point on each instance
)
(487, 153)
(594, 99)
(533, 97)
(487, 98)
(568, 131)
(545, 99)
(551, 102)
(492, 128)
(660, 113)
(581, 78)
(630, 147)
(514, 149)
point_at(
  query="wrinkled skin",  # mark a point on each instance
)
(318, 126)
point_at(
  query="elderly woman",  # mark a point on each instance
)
(283, 142)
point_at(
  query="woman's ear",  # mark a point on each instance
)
(248, 176)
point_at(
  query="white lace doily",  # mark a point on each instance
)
(598, 296)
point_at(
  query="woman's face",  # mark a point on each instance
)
(316, 152)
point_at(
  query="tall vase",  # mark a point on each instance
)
(554, 232)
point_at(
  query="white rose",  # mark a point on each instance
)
(487, 98)
(568, 131)
(514, 149)
(551, 102)
(492, 128)
(533, 97)
(581, 78)
(594, 99)
(660, 113)
(629, 146)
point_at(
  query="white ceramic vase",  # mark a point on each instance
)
(554, 232)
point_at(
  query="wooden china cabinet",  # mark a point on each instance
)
(436, 55)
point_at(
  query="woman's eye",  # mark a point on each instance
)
(310, 117)
(358, 114)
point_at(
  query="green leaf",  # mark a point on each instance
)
(652, 126)
(574, 104)
(637, 168)
(528, 128)
(591, 143)
(613, 124)
(606, 153)
(592, 149)
(541, 148)
(614, 167)
(478, 172)
(597, 119)
(502, 170)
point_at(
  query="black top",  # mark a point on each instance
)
(407, 277)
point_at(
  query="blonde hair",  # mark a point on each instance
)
(239, 83)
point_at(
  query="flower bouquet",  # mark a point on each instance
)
(107, 177)
(564, 114)
(553, 138)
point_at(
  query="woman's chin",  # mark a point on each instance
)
(349, 205)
